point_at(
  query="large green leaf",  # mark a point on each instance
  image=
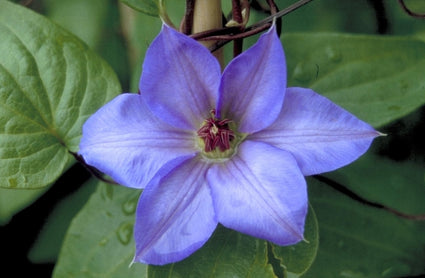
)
(99, 242)
(361, 241)
(50, 82)
(397, 185)
(379, 79)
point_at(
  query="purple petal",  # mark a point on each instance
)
(253, 85)
(260, 192)
(174, 217)
(180, 79)
(126, 141)
(320, 135)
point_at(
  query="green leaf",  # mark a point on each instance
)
(99, 242)
(297, 259)
(398, 185)
(226, 254)
(83, 18)
(149, 7)
(231, 254)
(14, 200)
(50, 83)
(47, 245)
(361, 241)
(97, 23)
(379, 79)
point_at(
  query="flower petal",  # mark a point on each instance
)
(253, 85)
(320, 135)
(174, 217)
(180, 79)
(260, 192)
(126, 141)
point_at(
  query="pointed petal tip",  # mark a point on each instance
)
(253, 84)
(178, 66)
(132, 262)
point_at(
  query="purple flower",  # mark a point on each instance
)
(211, 147)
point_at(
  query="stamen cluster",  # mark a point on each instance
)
(216, 133)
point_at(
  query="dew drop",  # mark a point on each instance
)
(305, 72)
(13, 183)
(352, 274)
(333, 55)
(107, 192)
(103, 241)
(125, 232)
(129, 206)
(396, 270)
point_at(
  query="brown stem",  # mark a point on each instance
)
(274, 10)
(410, 12)
(237, 17)
(91, 169)
(344, 190)
(237, 11)
(281, 13)
(187, 21)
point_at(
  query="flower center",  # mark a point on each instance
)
(216, 134)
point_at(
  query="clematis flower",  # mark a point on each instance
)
(211, 147)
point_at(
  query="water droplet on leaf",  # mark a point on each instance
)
(305, 72)
(396, 270)
(125, 232)
(103, 241)
(13, 182)
(129, 206)
(333, 55)
(107, 192)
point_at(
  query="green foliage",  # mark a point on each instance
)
(149, 7)
(297, 259)
(357, 240)
(50, 82)
(378, 79)
(100, 243)
(13, 200)
(226, 254)
(398, 185)
(49, 241)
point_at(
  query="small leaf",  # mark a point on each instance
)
(149, 7)
(50, 83)
(297, 259)
(362, 241)
(99, 242)
(379, 79)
